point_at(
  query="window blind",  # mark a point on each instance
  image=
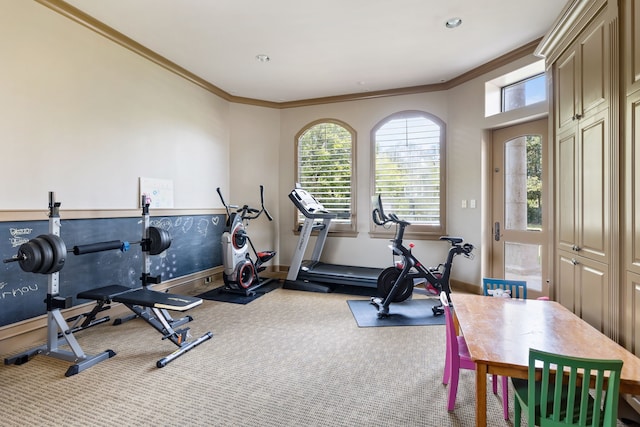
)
(407, 165)
(324, 167)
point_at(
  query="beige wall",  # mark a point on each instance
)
(85, 117)
(81, 116)
(463, 110)
(256, 160)
(362, 116)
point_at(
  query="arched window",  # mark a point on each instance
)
(325, 153)
(409, 171)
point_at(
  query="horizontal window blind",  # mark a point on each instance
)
(324, 167)
(407, 169)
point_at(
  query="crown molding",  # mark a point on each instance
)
(106, 31)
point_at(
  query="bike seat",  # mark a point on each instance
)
(452, 240)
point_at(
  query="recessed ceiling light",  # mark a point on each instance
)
(453, 23)
(263, 58)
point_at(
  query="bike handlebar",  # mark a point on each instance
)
(380, 218)
(377, 218)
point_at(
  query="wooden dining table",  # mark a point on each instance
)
(500, 331)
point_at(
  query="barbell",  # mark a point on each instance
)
(47, 253)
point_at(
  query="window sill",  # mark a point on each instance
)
(407, 235)
(337, 233)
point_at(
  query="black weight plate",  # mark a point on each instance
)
(160, 240)
(59, 252)
(47, 255)
(30, 257)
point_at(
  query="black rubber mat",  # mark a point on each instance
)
(413, 312)
(220, 294)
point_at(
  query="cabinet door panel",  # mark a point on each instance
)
(632, 237)
(632, 36)
(631, 313)
(566, 191)
(566, 93)
(564, 292)
(593, 293)
(594, 68)
(594, 192)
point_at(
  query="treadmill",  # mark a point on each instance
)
(313, 275)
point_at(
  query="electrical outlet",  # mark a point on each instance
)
(207, 279)
(464, 204)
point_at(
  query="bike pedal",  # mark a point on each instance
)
(265, 256)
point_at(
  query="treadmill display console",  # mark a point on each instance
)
(307, 204)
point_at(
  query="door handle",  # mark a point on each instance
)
(496, 231)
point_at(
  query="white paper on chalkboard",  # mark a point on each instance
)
(159, 192)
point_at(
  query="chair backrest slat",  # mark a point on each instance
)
(517, 288)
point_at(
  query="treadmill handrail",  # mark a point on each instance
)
(319, 213)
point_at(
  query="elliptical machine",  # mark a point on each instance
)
(240, 270)
(395, 284)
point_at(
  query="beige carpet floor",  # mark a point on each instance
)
(289, 358)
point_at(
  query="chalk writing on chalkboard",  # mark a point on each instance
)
(195, 247)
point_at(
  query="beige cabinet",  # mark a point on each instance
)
(597, 164)
(629, 309)
(587, 288)
(583, 188)
(582, 75)
(582, 57)
(630, 293)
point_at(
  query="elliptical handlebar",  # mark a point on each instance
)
(223, 202)
(247, 212)
(266, 212)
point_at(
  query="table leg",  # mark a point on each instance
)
(481, 394)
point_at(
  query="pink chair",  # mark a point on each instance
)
(457, 358)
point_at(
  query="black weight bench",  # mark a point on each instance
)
(151, 306)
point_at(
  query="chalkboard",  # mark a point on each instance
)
(195, 246)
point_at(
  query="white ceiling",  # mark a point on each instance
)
(325, 47)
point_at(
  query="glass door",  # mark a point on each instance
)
(519, 219)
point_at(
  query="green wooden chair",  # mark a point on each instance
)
(551, 400)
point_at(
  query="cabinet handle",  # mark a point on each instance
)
(578, 116)
(574, 261)
(576, 248)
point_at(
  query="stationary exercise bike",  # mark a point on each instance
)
(395, 284)
(240, 270)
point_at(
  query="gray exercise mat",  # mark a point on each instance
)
(413, 312)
